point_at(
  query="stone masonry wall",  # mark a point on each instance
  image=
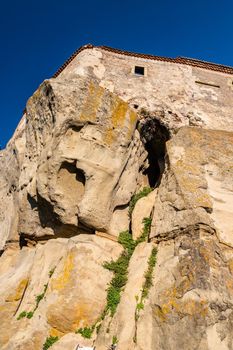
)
(175, 88)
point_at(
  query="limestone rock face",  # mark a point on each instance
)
(142, 210)
(82, 160)
(192, 294)
(62, 274)
(10, 164)
(67, 177)
(197, 185)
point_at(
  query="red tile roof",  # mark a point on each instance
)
(180, 60)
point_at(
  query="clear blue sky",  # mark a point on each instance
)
(38, 36)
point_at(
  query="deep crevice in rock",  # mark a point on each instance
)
(22, 241)
(154, 136)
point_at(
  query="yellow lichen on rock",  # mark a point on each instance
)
(92, 103)
(53, 332)
(17, 295)
(117, 121)
(182, 308)
(63, 279)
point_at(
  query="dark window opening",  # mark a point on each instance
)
(139, 70)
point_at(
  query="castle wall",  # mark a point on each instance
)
(178, 89)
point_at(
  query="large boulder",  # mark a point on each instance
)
(53, 290)
(197, 186)
(82, 161)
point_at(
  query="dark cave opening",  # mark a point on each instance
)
(22, 241)
(153, 171)
(154, 136)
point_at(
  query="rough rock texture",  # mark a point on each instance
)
(143, 209)
(197, 186)
(176, 94)
(81, 164)
(123, 324)
(74, 297)
(66, 180)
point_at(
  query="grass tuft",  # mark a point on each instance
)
(148, 275)
(114, 340)
(120, 270)
(49, 342)
(86, 332)
(22, 315)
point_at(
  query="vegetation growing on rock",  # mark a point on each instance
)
(147, 284)
(120, 271)
(38, 299)
(143, 193)
(86, 332)
(120, 267)
(49, 342)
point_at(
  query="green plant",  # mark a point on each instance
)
(51, 272)
(120, 267)
(140, 306)
(126, 240)
(143, 193)
(114, 340)
(148, 275)
(146, 286)
(38, 300)
(40, 296)
(86, 332)
(120, 270)
(25, 314)
(49, 342)
(146, 230)
(22, 315)
(30, 314)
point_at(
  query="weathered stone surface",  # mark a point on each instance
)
(124, 325)
(75, 293)
(190, 305)
(198, 160)
(143, 209)
(71, 341)
(176, 94)
(66, 180)
(80, 138)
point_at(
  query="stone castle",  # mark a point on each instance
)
(116, 207)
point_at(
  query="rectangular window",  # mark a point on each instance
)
(139, 70)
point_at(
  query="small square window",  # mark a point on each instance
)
(139, 70)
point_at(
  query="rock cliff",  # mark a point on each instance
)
(116, 226)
